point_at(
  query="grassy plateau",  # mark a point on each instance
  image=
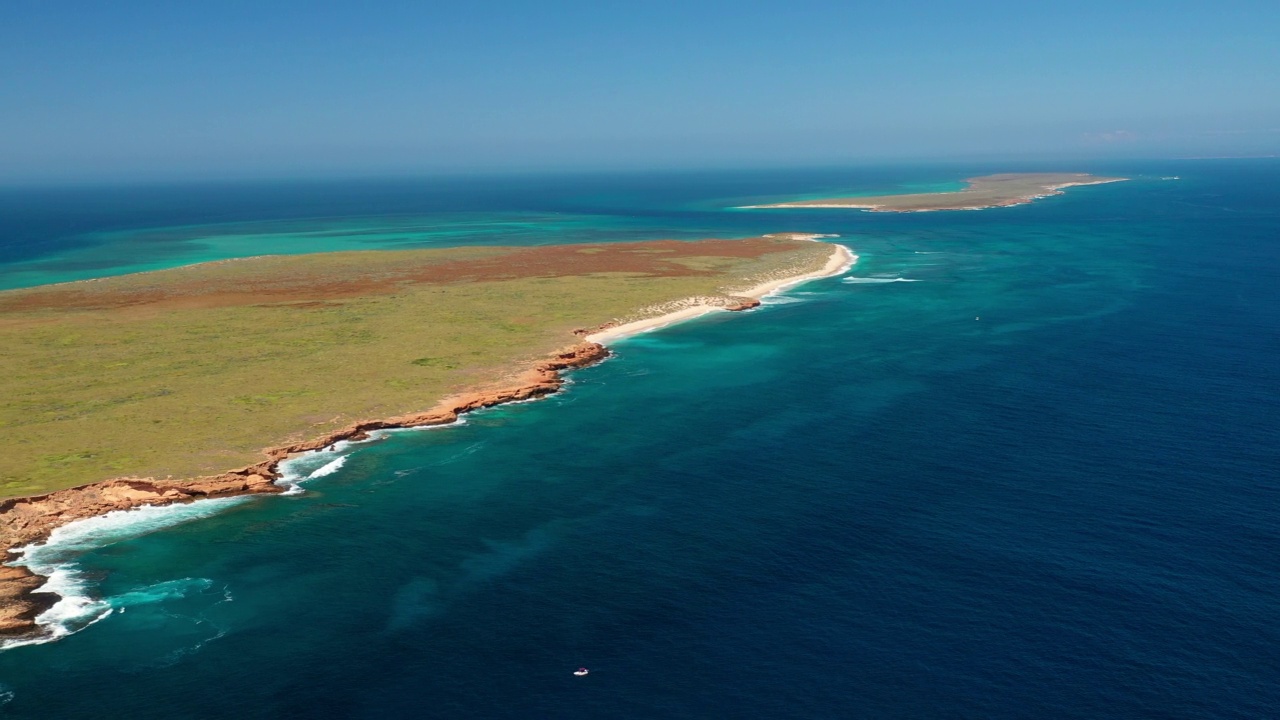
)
(193, 371)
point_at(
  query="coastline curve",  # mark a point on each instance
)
(25, 522)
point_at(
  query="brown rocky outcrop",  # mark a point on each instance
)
(18, 605)
(738, 303)
(30, 519)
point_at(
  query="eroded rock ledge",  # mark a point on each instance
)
(30, 519)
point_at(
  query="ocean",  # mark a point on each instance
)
(1018, 463)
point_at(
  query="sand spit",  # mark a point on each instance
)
(988, 191)
(839, 263)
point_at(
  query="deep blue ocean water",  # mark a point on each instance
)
(1041, 480)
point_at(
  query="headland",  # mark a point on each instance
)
(743, 299)
(143, 389)
(987, 191)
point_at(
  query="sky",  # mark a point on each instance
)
(130, 89)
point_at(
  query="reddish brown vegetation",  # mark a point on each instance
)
(302, 289)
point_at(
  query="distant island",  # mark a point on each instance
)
(987, 191)
(148, 389)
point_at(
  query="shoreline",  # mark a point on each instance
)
(1048, 190)
(26, 521)
(842, 258)
(29, 520)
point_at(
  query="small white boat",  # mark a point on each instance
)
(581, 671)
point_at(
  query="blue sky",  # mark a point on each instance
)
(129, 89)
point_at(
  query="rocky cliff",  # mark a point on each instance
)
(30, 519)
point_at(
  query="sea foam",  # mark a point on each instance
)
(790, 299)
(329, 460)
(867, 280)
(55, 559)
(310, 465)
(78, 607)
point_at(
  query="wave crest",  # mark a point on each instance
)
(869, 280)
(55, 559)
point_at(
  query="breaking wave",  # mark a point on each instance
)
(790, 299)
(314, 464)
(866, 280)
(329, 460)
(55, 559)
(78, 606)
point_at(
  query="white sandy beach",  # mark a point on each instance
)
(1048, 190)
(842, 258)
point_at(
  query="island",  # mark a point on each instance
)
(196, 382)
(987, 191)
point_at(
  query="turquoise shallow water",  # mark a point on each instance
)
(74, 234)
(1037, 481)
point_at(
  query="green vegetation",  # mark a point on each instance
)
(193, 371)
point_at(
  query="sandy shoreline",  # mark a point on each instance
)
(941, 200)
(842, 258)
